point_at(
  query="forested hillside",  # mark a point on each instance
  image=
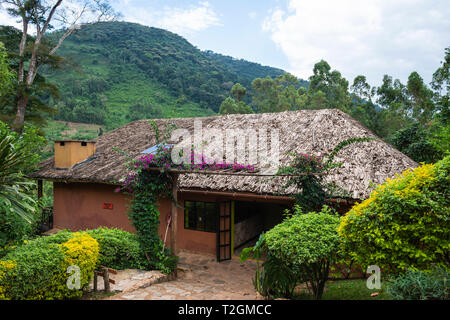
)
(124, 71)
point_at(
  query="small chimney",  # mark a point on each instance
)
(70, 152)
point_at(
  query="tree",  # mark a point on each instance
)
(42, 14)
(364, 110)
(416, 141)
(276, 95)
(421, 107)
(6, 75)
(230, 106)
(332, 84)
(238, 92)
(234, 104)
(404, 223)
(441, 86)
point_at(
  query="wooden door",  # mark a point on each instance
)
(224, 231)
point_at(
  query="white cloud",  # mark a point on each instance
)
(7, 20)
(252, 15)
(184, 21)
(362, 37)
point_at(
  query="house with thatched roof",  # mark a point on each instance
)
(85, 176)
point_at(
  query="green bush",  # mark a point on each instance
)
(119, 249)
(420, 285)
(405, 222)
(40, 268)
(300, 249)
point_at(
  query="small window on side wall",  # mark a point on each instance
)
(200, 216)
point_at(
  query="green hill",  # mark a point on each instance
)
(126, 71)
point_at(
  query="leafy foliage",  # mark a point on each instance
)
(417, 141)
(40, 92)
(38, 269)
(404, 223)
(420, 285)
(309, 173)
(300, 249)
(6, 75)
(276, 95)
(119, 65)
(18, 208)
(119, 249)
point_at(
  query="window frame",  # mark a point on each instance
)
(195, 228)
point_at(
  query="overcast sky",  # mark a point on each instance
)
(369, 37)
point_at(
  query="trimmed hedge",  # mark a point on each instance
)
(405, 222)
(119, 249)
(38, 269)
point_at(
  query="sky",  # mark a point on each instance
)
(370, 37)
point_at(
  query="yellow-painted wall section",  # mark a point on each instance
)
(69, 153)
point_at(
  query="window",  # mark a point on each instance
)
(200, 216)
(83, 143)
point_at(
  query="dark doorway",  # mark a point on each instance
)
(251, 219)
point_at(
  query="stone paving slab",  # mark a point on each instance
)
(201, 277)
(131, 279)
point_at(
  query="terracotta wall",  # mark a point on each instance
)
(79, 206)
(192, 240)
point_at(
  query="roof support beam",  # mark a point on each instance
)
(174, 215)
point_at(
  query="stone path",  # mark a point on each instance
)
(131, 279)
(201, 277)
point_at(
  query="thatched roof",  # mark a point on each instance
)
(314, 132)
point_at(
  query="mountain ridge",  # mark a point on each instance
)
(131, 71)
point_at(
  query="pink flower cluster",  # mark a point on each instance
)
(307, 163)
(163, 160)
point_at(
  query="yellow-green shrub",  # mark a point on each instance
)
(5, 268)
(82, 251)
(40, 270)
(404, 223)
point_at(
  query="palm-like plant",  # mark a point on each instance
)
(15, 189)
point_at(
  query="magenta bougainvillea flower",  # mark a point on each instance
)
(163, 160)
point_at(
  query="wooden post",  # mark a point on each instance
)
(39, 191)
(95, 281)
(106, 279)
(174, 213)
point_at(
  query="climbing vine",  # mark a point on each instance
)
(312, 188)
(147, 186)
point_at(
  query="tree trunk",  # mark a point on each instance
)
(21, 101)
(20, 115)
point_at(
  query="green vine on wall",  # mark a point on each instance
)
(147, 187)
(312, 188)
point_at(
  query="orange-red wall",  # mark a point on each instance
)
(79, 206)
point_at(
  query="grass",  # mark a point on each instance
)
(354, 289)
